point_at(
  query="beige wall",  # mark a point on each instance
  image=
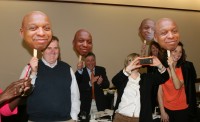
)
(178, 4)
(114, 30)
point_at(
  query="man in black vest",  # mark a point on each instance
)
(56, 94)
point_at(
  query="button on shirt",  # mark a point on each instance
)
(130, 101)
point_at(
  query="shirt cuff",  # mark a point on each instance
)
(126, 73)
(33, 77)
(162, 70)
(80, 71)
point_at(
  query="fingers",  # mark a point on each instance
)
(95, 79)
(17, 88)
(27, 84)
(16, 91)
(34, 64)
(80, 65)
(135, 61)
(26, 89)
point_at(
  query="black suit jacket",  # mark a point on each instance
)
(86, 90)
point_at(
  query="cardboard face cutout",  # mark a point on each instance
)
(167, 34)
(146, 30)
(82, 42)
(36, 30)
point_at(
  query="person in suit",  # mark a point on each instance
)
(86, 83)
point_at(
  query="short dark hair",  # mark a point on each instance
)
(90, 54)
(55, 38)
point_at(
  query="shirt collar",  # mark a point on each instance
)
(49, 65)
(135, 81)
(90, 70)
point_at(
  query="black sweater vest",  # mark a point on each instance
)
(51, 98)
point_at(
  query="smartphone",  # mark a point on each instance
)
(146, 60)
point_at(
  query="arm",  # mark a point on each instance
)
(6, 111)
(164, 115)
(4, 107)
(123, 75)
(190, 77)
(79, 71)
(12, 91)
(10, 97)
(162, 75)
(177, 83)
(119, 78)
(75, 97)
(13, 103)
(33, 64)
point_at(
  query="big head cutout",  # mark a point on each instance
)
(82, 42)
(166, 33)
(36, 30)
(146, 29)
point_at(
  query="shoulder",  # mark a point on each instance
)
(63, 63)
(100, 67)
(187, 64)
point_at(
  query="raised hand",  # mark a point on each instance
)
(133, 65)
(13, 90)
(34, 64)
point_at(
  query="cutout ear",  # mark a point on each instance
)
(21, 33)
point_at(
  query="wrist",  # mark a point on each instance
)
(34, 73)
(127, 72)
(160, 66)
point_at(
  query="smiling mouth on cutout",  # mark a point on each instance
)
(171, 42)
(41, 40)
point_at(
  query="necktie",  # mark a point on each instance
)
(92, 77)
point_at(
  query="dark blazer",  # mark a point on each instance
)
(86, 90)
(190, 76)
(147, 82)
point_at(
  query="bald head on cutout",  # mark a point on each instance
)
(82, 42)
(146, 29)
(166, 33)
(36, 30)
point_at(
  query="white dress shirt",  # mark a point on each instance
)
(130, 101)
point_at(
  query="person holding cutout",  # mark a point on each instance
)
(177, 96)
(56, 94)
(89, 78)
